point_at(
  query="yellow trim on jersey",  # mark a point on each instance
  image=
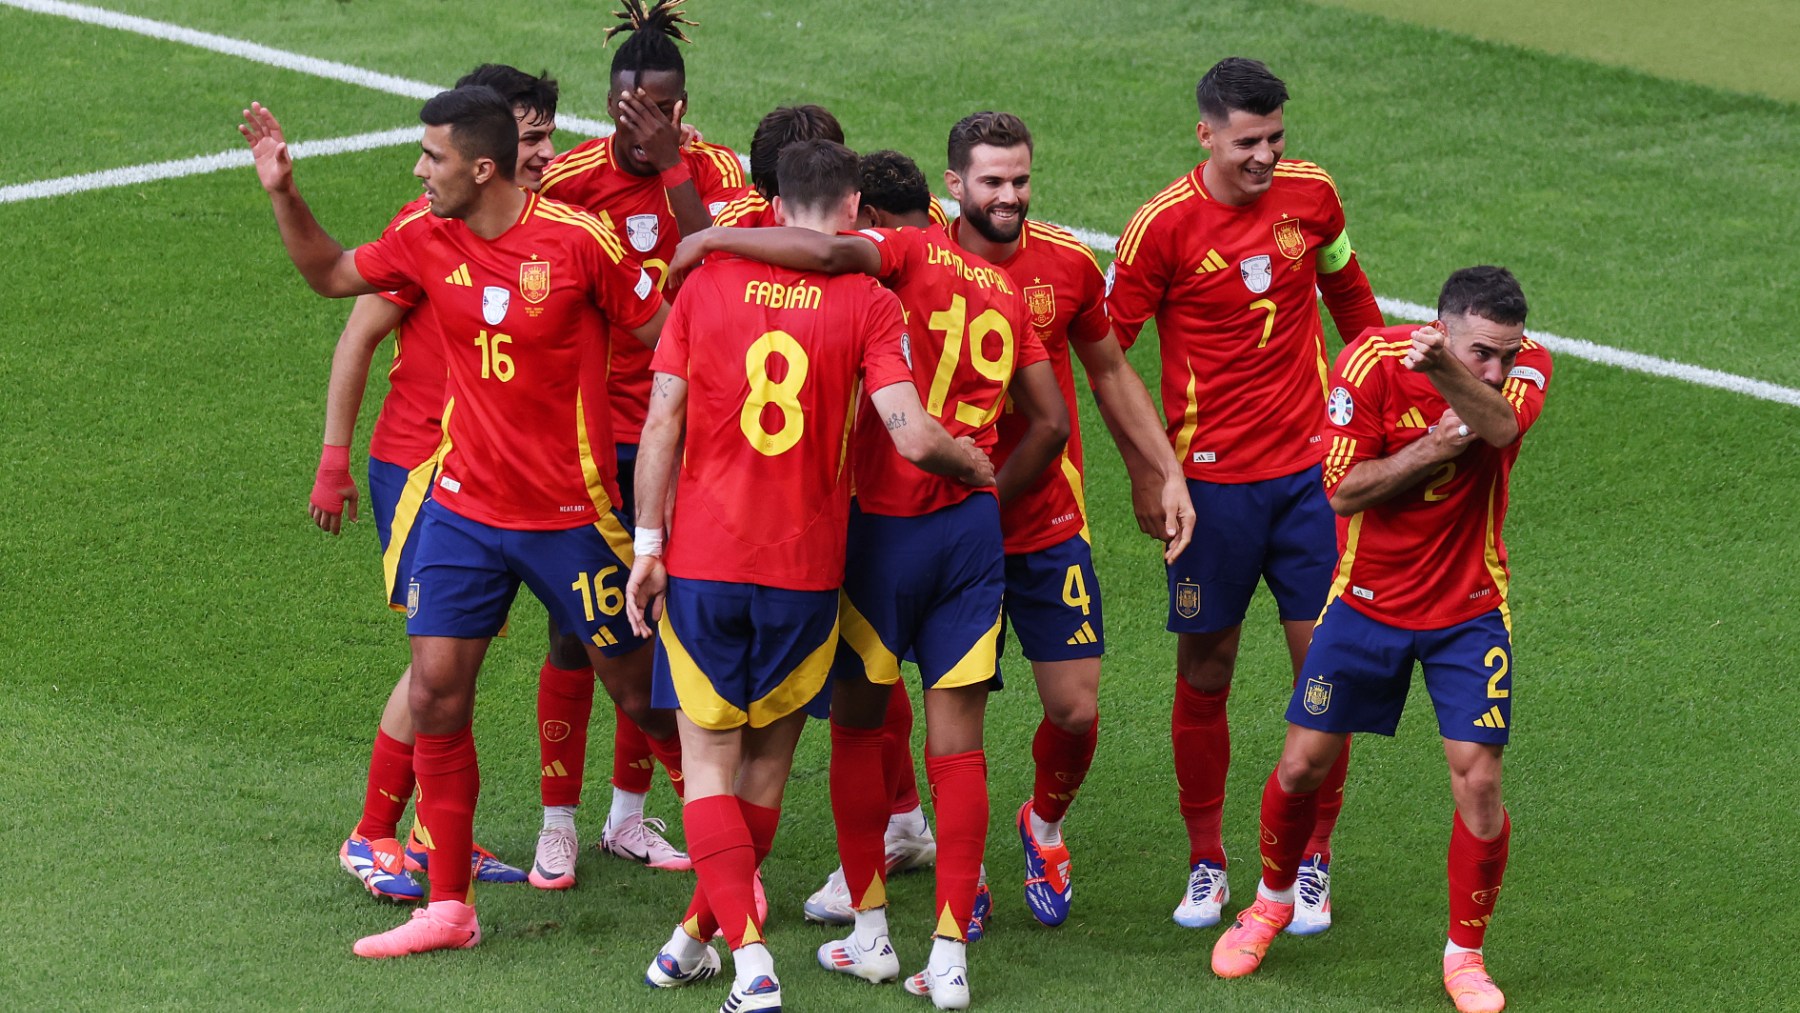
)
(1305, 170)
(1372, 352)
(1490, 553)
(1346, 560)
(879, 663)
(1338, 458)
(936, 212)
(1171, 195)
(731, 171)
(1072, 475)
(412, 500)
(566, 215)
(1190, 421)
(409, 219)
(699, 701)
(1060, 237)
(605, 521)
(1323, 364)
(800, 685)
(978, 665)
(735, 211)
(575, 164)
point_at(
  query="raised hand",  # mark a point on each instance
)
(274, 166)
(1430, 350)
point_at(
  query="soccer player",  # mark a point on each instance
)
(760, 366)
(649, 189)
(1053, 602)
(925, 574)
(1424, 427)
(526, 490)
(403, 459)
(1229, 259)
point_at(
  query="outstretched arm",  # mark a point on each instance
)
(323, 262)
(1035, 396)
(1158, 490)
(919, 438)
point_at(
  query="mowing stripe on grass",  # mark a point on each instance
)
(1575, 347)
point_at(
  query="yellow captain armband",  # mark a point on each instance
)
(1335, 254)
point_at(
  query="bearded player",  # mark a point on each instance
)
(1053, 603)
(404, 452)
(1425, 426)
(526, 491)
(1229, 259)
(760, 366)
(650, 189)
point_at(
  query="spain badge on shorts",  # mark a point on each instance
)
(534, 280)
(1318, 696)
(1187, 600)
(412, 599)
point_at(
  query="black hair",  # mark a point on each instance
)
(481, 124)
(1238, 84)
(655, 27)
(1001, 130)
(815, 173)
(1491, 293)
(536, 95)
(781, 127)
(892, 182)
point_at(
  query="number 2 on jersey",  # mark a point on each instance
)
(956, 327)
(784, 394)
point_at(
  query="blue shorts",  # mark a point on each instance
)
(728, 654)
(466, 574)
(928, 589)
(1280, 530)
(1053, 602)
(396, 495)
(1358, 670)
(627, 456)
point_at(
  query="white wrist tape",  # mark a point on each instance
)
(647, 542)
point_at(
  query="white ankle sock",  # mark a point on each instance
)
(1048, 834)
(625, 804)
(749, 962)
(559, 817)
(1451, 949)
(870, 926)
(683, 946)
(1266, 892)
(907, 824)
(947, 953)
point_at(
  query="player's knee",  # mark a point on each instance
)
(1074, 716)
(1477, 793)
(1206, 662)
(437, 707)
(1299, 772)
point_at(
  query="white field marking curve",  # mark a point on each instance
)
(1574, 347)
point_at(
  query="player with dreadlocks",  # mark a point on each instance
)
(650, 190)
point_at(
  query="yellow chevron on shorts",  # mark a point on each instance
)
(880, 665)
(605, 638)
(1085, 635)
(1491, 719)
(978, 664)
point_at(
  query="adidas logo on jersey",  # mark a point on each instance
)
(460, 276)
(1085, 635)
(1210, 263)
(1412, 418)
(1491, 719)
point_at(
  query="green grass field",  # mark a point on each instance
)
(190, 673)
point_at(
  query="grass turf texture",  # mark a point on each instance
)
(193, 673)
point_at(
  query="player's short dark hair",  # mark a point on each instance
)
(1491, 293)
(481, 124)
(1001, 130)
(1239, 84)
(655, 27)
(814, 174)
(893, 183)
(781, 127)
(535, 94)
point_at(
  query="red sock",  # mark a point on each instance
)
(1475, 869)
(633, 762)
(897, 769)
(1202, 741)
(1286, 818)
(860, 815)
(668, 752)
(1062, 760)
(762, 823)
(725, 862)
(959, 796)
(565, 701)
(449, 784)
(1331, 802)
(390, 785)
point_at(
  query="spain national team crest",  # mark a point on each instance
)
(1257, 273)
(1187, 600)
(642, 231)
(534, 280)
(1289, 239)
(1040, 300)
(412, 599)
(1318, 696)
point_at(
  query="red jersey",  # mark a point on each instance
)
(772, 358)
(967, 334)
(636, 208)
(1432, 556)
(408, 429)
(753, 211)
(524, 320)
(1065, 297)
(1234, 291)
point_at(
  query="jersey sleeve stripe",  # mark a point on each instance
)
(1363, 355)
(1368, 357)
(573, 165)
(409, 219)
(1058, 237)
(1174, 194)
(731, 171)
(586, 222)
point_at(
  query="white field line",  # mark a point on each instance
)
(1575, 347)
